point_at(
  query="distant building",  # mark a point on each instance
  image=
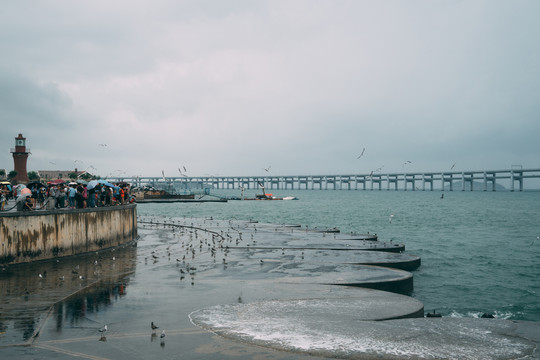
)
(50, 175)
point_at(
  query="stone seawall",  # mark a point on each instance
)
(40, 235)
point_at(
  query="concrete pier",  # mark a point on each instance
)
(47, 234)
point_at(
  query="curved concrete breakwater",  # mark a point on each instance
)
(269, 291)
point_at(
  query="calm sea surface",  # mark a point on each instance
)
(479, 249)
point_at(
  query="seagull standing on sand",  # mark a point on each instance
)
(154, 327)
(391, 216)
(103, 330)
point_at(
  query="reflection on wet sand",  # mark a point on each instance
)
(75, 285)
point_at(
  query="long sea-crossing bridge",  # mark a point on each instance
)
(484, 180)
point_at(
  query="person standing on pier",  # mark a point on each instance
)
(3, 200)
(71, 196)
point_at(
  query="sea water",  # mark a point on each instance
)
(480, 252)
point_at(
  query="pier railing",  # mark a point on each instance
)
(483, 180)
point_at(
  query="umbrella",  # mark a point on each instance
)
(26, 191)
(92, 184)
(83, 182)
(56, 182)
(5, 183)
(36, 184)
(20, 186)
(106, 183)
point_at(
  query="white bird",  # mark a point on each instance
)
(162, 334)
(537, 238)
(391, 216)
(104, 329)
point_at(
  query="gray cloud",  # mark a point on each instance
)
(301, 85)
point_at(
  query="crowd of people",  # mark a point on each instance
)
(59, 195)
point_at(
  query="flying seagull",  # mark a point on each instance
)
(182, 173)
(268, 168)
(453, 166)
(362, 154)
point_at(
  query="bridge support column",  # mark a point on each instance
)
(427, 178)
(448, 180)
(516, 176)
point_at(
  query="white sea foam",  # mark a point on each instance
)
(319, 326)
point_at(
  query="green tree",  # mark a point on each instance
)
(73, 176)
(12, 174)
(32, 175)
(2, 173)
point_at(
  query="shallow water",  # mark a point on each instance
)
(479, 249)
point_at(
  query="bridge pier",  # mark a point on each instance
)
(489, 177)
(448, 180)
(345, 180)
(288, 180)
(360, 180)
(376, 179)
(274, 181)
(427, 178)
(303, 180)
(392, 179)
(316, 180)
(516, 176)
(410, 179)
(467, 178)
(330, 180)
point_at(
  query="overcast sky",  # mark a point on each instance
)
(231, 87)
